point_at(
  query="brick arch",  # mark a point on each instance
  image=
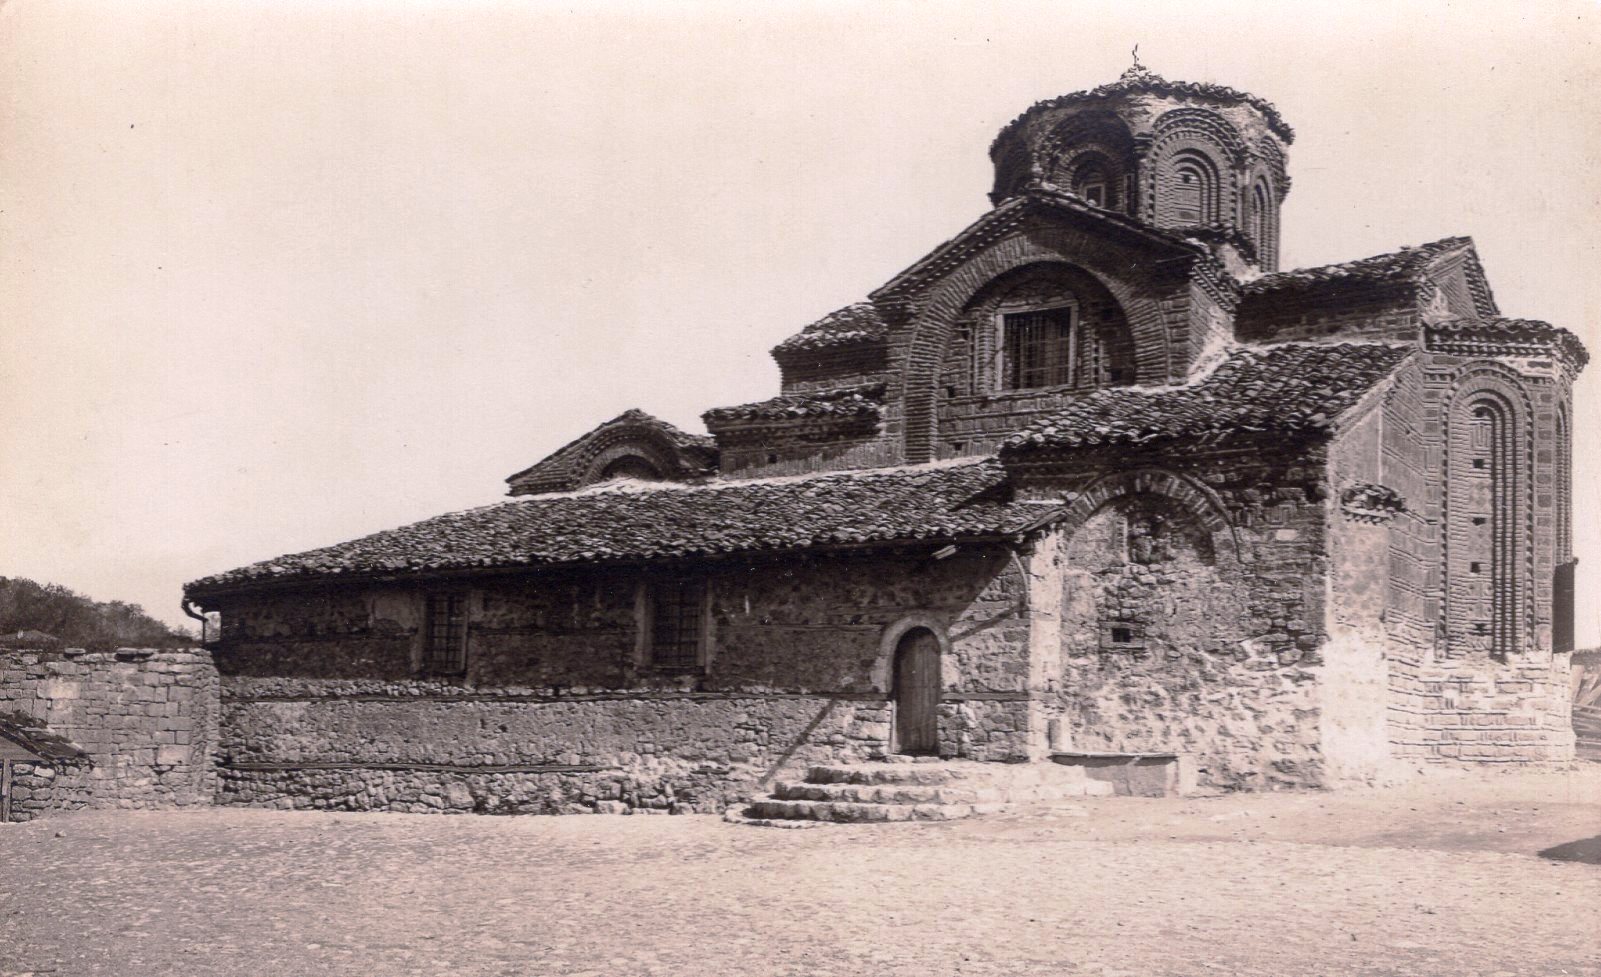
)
(1189, 494)
(642, 443)
(1259, 215)
(937, 320)
(1194, 131)
(1503, 387)
(1269, 155)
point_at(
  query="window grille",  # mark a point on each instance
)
(1039, 348)
(677, 623)
(445, 651)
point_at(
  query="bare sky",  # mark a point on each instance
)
(277, 274)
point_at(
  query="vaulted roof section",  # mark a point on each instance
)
(1450, 265)
(673, 454)
(1287, 389)
(632, 522)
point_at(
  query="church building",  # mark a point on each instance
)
(1092, 479)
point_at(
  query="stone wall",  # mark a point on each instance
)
(1192, 609)
(324, 705)
(146, 718)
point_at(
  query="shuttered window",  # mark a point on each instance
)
(677, 622)
(445, 647)
(1039, 348)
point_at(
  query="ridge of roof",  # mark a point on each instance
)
(1408, 260)
(1142, 80)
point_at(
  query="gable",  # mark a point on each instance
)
(1035, 210)
(631, 445)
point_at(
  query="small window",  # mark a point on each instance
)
(445, 648)
(1039, 348)
(1122, 636)
(677, 623)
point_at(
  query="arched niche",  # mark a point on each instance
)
(1146, 574)
(1040, 326)
(638, 454)
(1488, 551)
(1192, 169)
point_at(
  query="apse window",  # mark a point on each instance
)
(445, 632)
(677, 625)
(1039, 348)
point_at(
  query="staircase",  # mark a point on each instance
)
(915, 789)
(1587, 729)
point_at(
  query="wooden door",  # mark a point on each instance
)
(917, 688)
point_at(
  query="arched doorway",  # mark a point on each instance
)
(916, 692)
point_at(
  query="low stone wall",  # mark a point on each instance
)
(410, 747)
(41, 788)
(146, 719)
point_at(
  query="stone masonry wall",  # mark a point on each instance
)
(146, 718)
(323, 705)
(1192, 609)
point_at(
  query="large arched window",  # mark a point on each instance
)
(1485, 536)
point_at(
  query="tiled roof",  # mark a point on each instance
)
(1493, 335)
(1140, 80)
(1281, 389)
(940, 501)
(1407, 264)
(24, 732)
(562, 467)
(858, 323)
(847, 402)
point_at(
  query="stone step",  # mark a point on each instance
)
(965, 773)
(860, 813)
(960, 793)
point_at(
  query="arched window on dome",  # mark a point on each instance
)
(1261, 223)
(1092, 180)
(1191, 190)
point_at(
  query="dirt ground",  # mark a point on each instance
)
(1444, 876)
